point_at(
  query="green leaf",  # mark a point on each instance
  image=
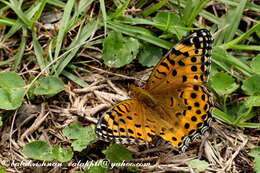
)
(119, 11)
(155, 7)
(255, 64)
(251, 85)
(38, 150)
(64, 24)
(38, 51)
(49, 86)
(75, 79)
(170, 22)
(257, 164)
(21, 15)
(249, 125)
(11, 90)
(61, 154)
(222, 83)
(255, 152)
(242, 37)
(118, 50)
(139, 33)
(20, 51)
(222, 58)
(199, 165)
(194, 11)
(81, 136)
(1, 121)
(149, 55)
(97, 169)
(242, 113)
(252, 101)
(222, 116)
(82, 36)
(117, 153)
(233, 19)
(2, 170)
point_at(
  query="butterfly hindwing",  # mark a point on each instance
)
(125, 123)
(193, 118)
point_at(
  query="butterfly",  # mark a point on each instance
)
(174, 103)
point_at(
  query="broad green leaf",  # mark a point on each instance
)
(117, 153)
(255, 152)
(118, 50)
(252, 101)
(11, 90)
(222, 83)
(49, 86)
(255, 64)
(149, 55)
(2, 170)
(199, 165)
(62, 155)
(257, 164)
(241, 112)
(38, 150)
(251, 85)
(98, 169)
(170, 22)
(81, 136)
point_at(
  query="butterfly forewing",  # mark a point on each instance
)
(187, 63)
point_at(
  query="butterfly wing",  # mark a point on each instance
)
(125, 123)
(179, 78)
(187, 63)
(189, 111)
(181, 107)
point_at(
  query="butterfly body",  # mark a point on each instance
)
(174, 104)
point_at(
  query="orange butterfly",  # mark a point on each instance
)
(174, 103)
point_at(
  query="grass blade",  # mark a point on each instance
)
(18, 56)
(75, 79)
(244, 36)
(30, 13)
(38, 51)
(65, 22)
(139, 33)
(154, 7)
(87, 31)
(14, 5)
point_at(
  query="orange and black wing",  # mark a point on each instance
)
(187, 63)
(125, 123)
